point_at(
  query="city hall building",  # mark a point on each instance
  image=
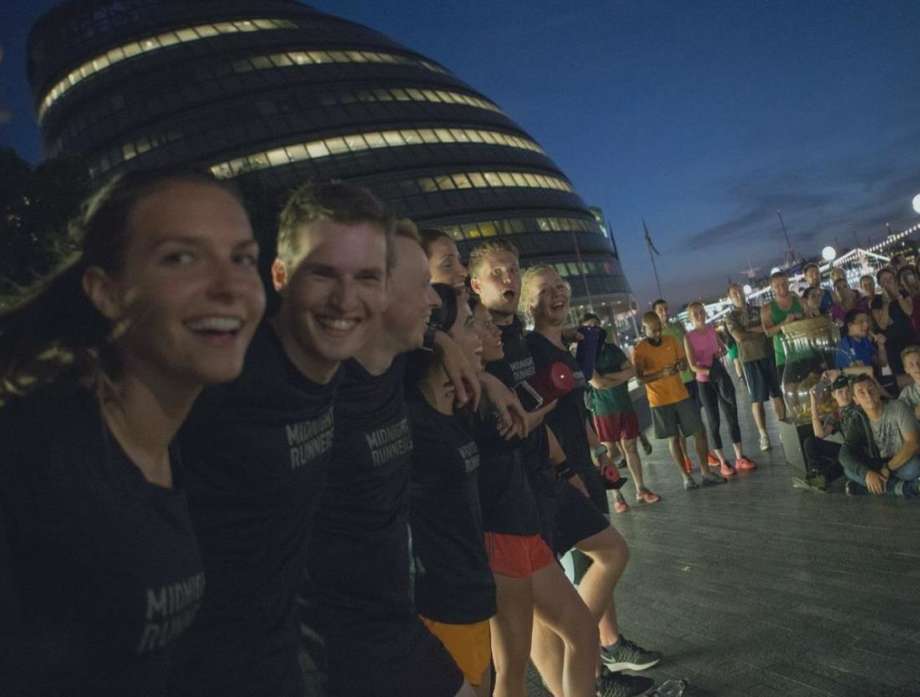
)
(275, 90)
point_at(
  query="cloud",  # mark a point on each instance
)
(819, 198)
(755, 217)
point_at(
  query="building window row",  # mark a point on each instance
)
(146, 143)
(491, 180)
(371, 140)
(155, 43)
(415, 94)
(518, 226)
(289, 102)
(291, 58)
(583, 268)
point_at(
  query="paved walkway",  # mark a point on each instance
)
(756, 589)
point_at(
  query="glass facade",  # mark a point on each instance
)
(275, 91)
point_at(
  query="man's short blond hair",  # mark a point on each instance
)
(908, 350)
(336, 201)
(479, 255)
(528, 289)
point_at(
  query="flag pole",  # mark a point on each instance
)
(651, 255)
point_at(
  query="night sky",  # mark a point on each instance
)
(701, 117)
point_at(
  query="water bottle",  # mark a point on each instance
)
(670, 688)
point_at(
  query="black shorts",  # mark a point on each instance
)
(358, 666)
(577, 519)
(763, 379)
(693, 389)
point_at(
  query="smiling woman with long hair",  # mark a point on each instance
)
(99, 366)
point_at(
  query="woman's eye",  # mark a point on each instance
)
(247, 259)
(178, 258)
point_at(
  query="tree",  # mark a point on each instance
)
(36, 205)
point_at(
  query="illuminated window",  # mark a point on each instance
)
(519, 226)
(320, 57)
(149, 44)
(357, 142)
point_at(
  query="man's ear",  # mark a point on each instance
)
(103, 293)
(475, 285)
(279, 274)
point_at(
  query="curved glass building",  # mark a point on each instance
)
(274, 90)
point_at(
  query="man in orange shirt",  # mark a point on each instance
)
(659, 360)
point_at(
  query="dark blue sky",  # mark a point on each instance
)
(702, 117)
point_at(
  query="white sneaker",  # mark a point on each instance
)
(764, 442)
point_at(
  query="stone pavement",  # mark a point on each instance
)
(756, 589)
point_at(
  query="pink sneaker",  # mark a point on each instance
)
(742, 464)
(646, 496)
(712, 460)
(726, 471)
(620, 506)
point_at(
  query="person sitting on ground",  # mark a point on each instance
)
(821, 453)
(881, 451)
(813, 276)
(910, 395)
(659, 361)
(614, 415)
(704, 349)
(744, 324)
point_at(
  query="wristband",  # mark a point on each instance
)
(563, 471)
(428, 340)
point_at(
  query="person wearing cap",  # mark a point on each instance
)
(823, 449)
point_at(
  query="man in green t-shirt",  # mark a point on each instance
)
(678, 331)
(615, 418)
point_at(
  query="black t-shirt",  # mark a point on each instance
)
(567, 420)
(514, 471)
(901, 329)
(453, 581)
(358, 561)
(256, 456)
(103, 565)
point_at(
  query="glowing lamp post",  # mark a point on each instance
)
(828, 254)
(917, 203)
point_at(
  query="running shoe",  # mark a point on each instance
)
(854, 489)
(627, 655)
(620, 505)
(726, 470)
(764, 442)
(690, 483)
(743, 464)
(712, 459)
(647, 496)
(623, 685)
(712, 480)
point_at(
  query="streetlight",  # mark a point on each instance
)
(747, 289)
(917, 203)
(828, 253)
